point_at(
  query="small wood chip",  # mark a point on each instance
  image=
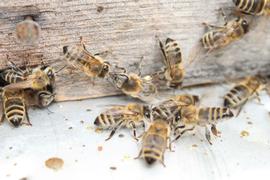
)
(100, 148)
(113, 168)
(100, 9)
(98, 130)
(244, 134)
(54, 163)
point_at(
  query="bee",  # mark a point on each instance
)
(244, 91)
(28, 31)
(191, 116)
(134, 85)
(155, 142)
(37, 80)
(253, 7)
(92, 65)
(168, 108)
(219, 37)
(130, 116)
(14, 107)
(174, 71)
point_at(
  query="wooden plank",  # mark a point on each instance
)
(128, 30)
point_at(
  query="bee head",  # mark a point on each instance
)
(196, 99)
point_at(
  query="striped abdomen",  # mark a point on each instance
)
(212, 115)
(214, 40)
(15, 110)
(153, 148)
(45, 98)
(254, 7)
(236, 96)
(107, 121)
(11, 76)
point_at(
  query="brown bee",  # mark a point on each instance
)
(253, 7)
(244, 91)
(14, 107)
(129, 116)
(37, 80)
(155, 142)
(219, 37)
(134, 85)
(174, 71)
(169, 108)
(191, 116)
(28, 31)
(92, 65)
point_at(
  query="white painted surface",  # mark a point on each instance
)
(230, 157)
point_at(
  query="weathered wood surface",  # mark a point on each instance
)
(128, 30)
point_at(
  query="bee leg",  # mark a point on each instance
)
(208, 135)
(82, 42)
(183, 132)
(118, 126)
(2, 117)
(214, 130)
(132, 124)
(170, 144)
(225, 18)
(258, 98)
(162, 161)
(27, 118)
(139, 156)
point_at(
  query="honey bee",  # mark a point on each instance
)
(92, 65)
(28, 31)
(253, 7)
(155, 142)
(168, 108)
(219, 36)
(14, 107)
(37, 80)
(244, 91)
(174, 71)
(130, 116)
(134, 85)
(191, 116)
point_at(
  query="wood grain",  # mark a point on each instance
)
(128, 30)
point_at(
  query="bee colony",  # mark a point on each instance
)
(180, 68)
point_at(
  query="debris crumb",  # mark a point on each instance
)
(70, 128)
(81, 121)
(121, 135)
(194, 145)
(24, 178)
(126, 157)
(100, 9)
(88, 110)
(10, 147)
(113, 168)
(249, 122)
(83, 145)
(244, 133)
(54, 163)
(100, 148)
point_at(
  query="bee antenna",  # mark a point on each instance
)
(59, 70)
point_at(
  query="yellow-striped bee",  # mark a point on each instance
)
(174, 71)
(253, 7)
(14, 107)
(168, 108)
(191, 116)
(37, 80)
(130, 116)
(28, 31)
(155, 141)
(92, 65)
(219, 37)
(243, 91)
(134, 85)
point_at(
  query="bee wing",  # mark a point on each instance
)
(19, 85)
(120, 112)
